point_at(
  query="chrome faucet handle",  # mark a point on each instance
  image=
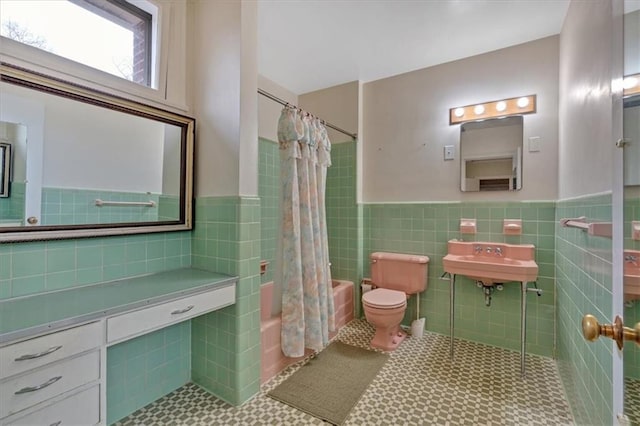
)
(631, 259)
(478, 249)
(498, 251)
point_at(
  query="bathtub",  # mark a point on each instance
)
(273, 360)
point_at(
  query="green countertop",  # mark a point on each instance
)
(23, 317)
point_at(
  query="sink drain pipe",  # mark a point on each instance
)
(523, 321)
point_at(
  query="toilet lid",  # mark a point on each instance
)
(384, 298)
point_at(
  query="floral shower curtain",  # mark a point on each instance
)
(303, 249)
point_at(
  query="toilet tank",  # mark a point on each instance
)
(401, 272)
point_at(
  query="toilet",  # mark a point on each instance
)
(395, 277)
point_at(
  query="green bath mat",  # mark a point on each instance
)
(331, 384)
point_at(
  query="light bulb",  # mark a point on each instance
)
(523, 102)
(501, 106)
(459, 112)
(479, 109)
(629, 83)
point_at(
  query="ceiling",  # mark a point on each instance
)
(307, 45)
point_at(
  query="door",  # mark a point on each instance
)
(626, 232)
(631, 182)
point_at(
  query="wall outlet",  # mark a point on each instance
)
(449, 152)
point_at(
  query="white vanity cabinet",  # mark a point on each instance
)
(133, 324)
(39, 377)
(53, 346)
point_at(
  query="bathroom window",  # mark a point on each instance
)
(113, 36)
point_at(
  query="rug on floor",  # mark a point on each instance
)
(330, 384)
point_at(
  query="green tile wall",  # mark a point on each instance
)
(226, 343)
(425, 228)
(141, 370)
(632, 310)
(153, 365)
(631, 212)
(168, 207)
(62, 206)
(583, 276)
(340, 203)
(342, 212)
(269, 192)
(12, 207)
(28, 268)
(631, 351)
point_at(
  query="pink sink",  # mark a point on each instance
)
(631, 274)
(491, 262)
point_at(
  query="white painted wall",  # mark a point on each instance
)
(170, 164)
(585, 155)
(406, 124)
(632, 43)
(30, 113)
(268, 110)
(89, 147)
(478, 141)
(16, 135)
(223, 90)
(337, 105)
(632, 151)
(248, 176)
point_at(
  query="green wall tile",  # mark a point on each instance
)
(398, 228)
(230, 223)
(143, 369)
(583, 274)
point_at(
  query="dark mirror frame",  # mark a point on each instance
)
(5, 169)
(36, 81)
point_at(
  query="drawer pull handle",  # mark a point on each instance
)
(38, 355)
(182, 311)
(36, 388)
(58, 423)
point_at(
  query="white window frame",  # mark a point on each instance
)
(38, 60)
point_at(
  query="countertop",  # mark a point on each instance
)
(27, 316)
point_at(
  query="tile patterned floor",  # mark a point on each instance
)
(632, 399)
(418, 386)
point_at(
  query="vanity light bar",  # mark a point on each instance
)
(631, 85)
(501, 108)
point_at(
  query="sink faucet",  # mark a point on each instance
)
(489, 249)
(498, 251)
(631, 259)
(478, 249)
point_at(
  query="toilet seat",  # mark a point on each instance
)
(382, 298)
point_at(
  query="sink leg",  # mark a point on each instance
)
(523, 327)
(452, 294)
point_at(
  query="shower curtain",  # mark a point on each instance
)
(303, 250)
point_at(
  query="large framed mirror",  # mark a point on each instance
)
(86, 163)
(491, 154)
(5, 168)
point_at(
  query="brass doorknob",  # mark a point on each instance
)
(591, 330)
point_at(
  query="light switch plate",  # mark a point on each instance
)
(534, 144)
(449, 152)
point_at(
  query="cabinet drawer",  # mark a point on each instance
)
(135, 323)
(23, 356)
(20, 392)
(83, 408)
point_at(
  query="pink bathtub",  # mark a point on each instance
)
(273, 360)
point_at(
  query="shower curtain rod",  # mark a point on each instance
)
(285, 103)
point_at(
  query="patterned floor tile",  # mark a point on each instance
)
(632, 399)
(419, 385)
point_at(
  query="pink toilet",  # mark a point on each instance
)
(395, 276)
